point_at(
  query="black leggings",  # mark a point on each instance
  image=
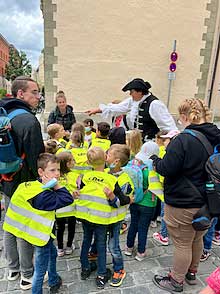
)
(71, 220)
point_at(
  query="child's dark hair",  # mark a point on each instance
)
(161, 133)
(89, 122)
(103, 128)
(77, 138)
(45, 158)
(64, 158)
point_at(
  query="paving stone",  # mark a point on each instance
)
(3, 286)
(136, 290)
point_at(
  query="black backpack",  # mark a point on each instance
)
(213, 170)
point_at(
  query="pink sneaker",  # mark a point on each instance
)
(160, 239)
(216, 238)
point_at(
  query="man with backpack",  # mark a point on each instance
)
(24, 132)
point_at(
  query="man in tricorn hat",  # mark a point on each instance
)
(144, 111)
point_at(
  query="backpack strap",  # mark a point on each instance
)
(16, 112)
(202, 138)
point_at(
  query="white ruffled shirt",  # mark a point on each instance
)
(157, 110)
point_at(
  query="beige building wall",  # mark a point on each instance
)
(102, 44)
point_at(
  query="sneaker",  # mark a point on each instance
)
(205, 255)
(118, 278)
(25, 284)
(102, 280)
(54, 289)
(190, 278)
(12, 276)
(140, 256)
(128, 251)
(216, 238)
(92, 256)
(168, 283)
(160, 239)
(69, 250)
(153, 224)
(60, 252)
(124, 228)
(85, 273)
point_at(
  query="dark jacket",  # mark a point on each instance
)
(27, 137)
(185, 159)
(67, 120)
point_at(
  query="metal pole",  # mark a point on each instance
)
(170, 80)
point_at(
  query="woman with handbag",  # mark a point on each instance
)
(183, 167)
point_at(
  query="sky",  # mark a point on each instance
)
(22, 25)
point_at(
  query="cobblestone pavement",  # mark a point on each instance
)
(139, 274)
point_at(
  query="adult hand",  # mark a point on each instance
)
(93, 111)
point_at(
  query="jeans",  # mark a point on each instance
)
(163, 231)
(114, 246)
(140, 220)
(207, 239)
(100, 233)
(18, 252)
(61, 222)
(45, 259)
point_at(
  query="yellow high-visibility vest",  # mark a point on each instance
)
(124, 179)
(79, 155)
(23, 221)
(102, 143)
(93, 204)
(155, 186)
(69, 181)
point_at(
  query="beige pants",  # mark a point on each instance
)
(188, 244)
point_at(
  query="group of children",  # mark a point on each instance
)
(83, 177)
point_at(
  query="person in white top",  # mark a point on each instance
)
(143, 110)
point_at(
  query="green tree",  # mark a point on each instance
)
(18, 65)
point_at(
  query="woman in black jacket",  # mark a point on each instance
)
(63, 113)
(183, 167)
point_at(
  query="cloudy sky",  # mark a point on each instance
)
(22, 25)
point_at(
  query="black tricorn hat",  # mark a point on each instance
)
(139, 84)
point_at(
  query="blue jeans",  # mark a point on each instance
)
(114, 247)
(163, 231)
(140, 220)
(100, 233)
(45, 259)
(207, 238)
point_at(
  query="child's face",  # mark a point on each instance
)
(159, 141)
(70, 164)
(51, 171)
(87, 128)
(111, 159)
(166, 142)
(61, 133)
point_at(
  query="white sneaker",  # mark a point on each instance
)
(60, 252)
(128, 251)
(26, 284)
(69, 250)
(140, 256)
(13, 276)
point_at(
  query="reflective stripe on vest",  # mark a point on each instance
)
(66, 211)
(155, 185)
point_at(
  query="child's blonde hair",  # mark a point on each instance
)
(50, 146)
(134, 141)
(195, 110)
(96, 156)
(53, 129)
(121, 151)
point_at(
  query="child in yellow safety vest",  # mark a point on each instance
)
(142, 211)
(163, 138)
(101, 140)
(99, 193)
(66, 214)
(57, 133)
(90, 132)
(31, 216)
(117, 156)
